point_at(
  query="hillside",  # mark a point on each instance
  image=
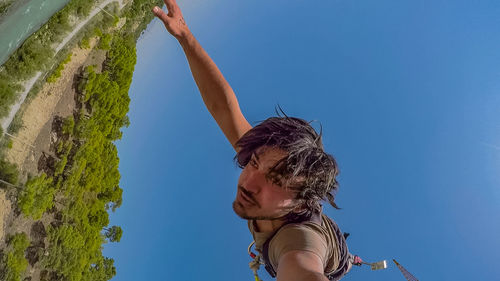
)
(59, 173)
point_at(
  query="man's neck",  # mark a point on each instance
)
(268, 225)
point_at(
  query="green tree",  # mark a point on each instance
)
(105, 42)
(8, 172)
(14, 263)
(8, 90)
(37, 196)
(102, 270)
(68, 125)
(66, 254)
(114, 233)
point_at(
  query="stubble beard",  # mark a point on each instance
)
(238, 210)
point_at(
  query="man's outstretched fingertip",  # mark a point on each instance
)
(156, 10)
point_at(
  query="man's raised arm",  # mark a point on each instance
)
(218, 96)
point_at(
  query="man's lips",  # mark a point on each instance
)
(245, 199)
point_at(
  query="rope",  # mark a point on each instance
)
(255, 263)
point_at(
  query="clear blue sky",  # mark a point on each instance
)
(407, 93)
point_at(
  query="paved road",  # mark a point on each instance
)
(84, 22)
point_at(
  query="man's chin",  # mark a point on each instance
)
(239, 210)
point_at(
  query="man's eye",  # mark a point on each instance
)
(277, 182)
(274, 179)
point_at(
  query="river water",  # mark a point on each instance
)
(24, 18)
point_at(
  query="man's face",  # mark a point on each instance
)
(257, 196)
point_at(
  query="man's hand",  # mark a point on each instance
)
(173, 20)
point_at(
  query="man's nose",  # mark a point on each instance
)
(254, 181)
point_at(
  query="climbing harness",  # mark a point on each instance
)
(263, 257)
(347, 260)
(255, 263)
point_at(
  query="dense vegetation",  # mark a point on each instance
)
(36, 197)
(8, 173)
(13, 260)
(57, 73)
(79, 183)
(5, 5)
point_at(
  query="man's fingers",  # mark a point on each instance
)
(160, 14)
(171, 6)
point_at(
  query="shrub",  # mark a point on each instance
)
(68, 125)
(84, 43)
(8, 172)
(57, 72)
(37, 196)
(14, 262)
(105, 42)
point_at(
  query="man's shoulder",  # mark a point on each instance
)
(317, 237)
(308, 236)
(303, 233)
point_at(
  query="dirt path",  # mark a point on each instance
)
(84, 22)
(41, 109)
(4, 211)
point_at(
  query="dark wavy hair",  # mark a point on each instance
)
(307, 168)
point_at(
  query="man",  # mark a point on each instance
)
(285, 175)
